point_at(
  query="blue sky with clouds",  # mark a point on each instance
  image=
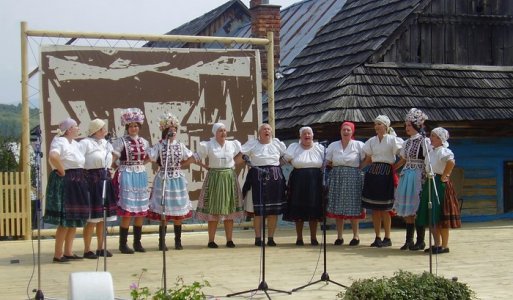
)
(113, 16)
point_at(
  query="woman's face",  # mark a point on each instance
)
(435, 140)
(346, 132)
(73, 132)
(410, 130)
(100, 134)
(380, 128)
(133, 129)
(221, 134)
(306, 137)
(265, 133)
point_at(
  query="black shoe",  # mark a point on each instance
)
(178, 245)
(258, 242)
(418, 246)
(339, 242)
(212, 245)
(101, 253)
(314, 242)
(377, 243)
(270, 242)
(433, 249)
(300, 243)
(354, 242)
(407, 245)
(386, 242)
(60, 260)
(230, 244)
(90, 255)
(72, 257)
(125, 249)
(138, 247)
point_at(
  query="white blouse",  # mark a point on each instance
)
(383, 151)
(439, 158)
(264, 154)
(219, 156)
(71, 154)
(305, 158)
(351, 156)
(98, 153)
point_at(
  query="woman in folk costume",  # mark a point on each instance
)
(266, 182)
(379, 182)
(177, 207)
(305, 190)
(67, 204)
(445, 210)
(131, 179)
(98, 159)
(407, 194)
(220, 198)
(346, 183)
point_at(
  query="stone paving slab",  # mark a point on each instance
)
(481, 256)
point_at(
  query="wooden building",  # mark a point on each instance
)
(355, 59)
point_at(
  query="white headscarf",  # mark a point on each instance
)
(443, 134)
(385, 121)
(216, 127)
(65, 125)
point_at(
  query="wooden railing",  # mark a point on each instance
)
(15, 206)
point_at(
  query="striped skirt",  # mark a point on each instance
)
(176, 199)
(304, 195)
(345, 193)
(132, 193)
(220, 198)
(407, 194)
(378, 187)
(67, 201)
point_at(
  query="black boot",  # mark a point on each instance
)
(421, 233)
(162, 238)
(410, 228)
(123, 247)
(178, 237)
(137, 239)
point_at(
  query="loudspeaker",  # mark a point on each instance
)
(90, 286)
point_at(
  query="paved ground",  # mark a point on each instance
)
(481, 256)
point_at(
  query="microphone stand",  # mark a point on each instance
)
(325, 277)
(431, 178)
(263, 285)
(163, 214)
(38, 155)
(104, 200)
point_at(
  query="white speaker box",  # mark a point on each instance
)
(90, 286)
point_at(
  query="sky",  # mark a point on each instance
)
(109, 16)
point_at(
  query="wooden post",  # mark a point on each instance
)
(25, 133)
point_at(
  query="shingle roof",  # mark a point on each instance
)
(346, 42)
(443, 92)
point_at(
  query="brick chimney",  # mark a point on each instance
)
(266, 17)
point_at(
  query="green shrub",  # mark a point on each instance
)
(407, 286)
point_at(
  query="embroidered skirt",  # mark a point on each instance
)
(267, 187)
(345, 193)
(407, 194)
(132, 193)
(304, 195)
(67, 202)
(176, 199)
(378, 187)
(220, 197)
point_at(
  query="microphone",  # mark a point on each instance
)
(170, 134)
(246, 159)
(325, 143)
(108, 137)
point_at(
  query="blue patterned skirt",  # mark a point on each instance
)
(407, 194)
(345, 193)
(176, 199)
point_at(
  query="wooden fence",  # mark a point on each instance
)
(15, 206)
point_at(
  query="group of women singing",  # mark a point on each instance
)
(362, 176)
